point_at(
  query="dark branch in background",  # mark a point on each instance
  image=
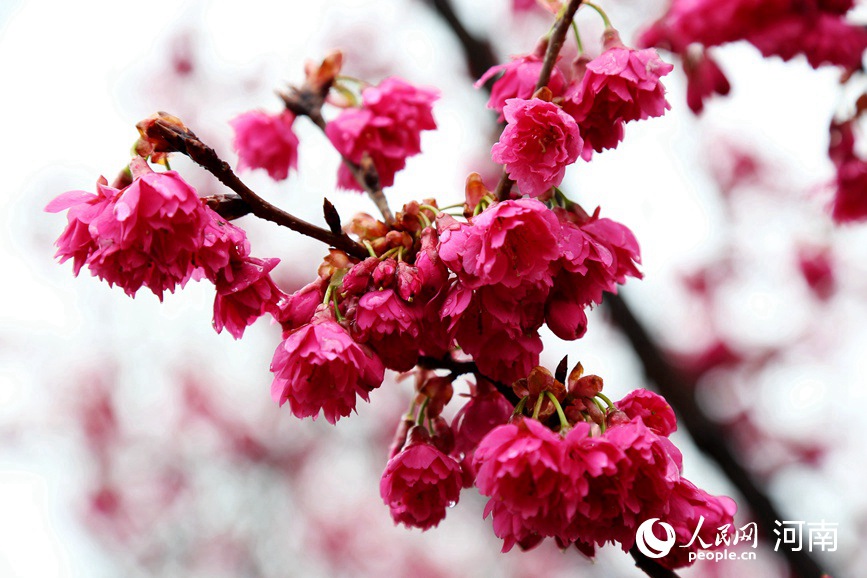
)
(555, 44)
(707, 435)
(184, 141)
(478, 53)
(650, 567)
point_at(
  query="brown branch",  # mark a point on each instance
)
(650, 567)
(183, 140)
(555, 44)
(302, 104)
(464, 367)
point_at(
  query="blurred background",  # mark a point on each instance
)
(135, 441)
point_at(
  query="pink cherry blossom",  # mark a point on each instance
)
(245, 292)
(390, 326)
(704, 78)
(619, 86)
(146, 234)
(266, 141)
(521, 466)
(850, 199)
(320, 367)
(509, 243)
(538, 143)
(387, 128)
(519, 80)
(420, 483)
(651, 408)
(822, 38)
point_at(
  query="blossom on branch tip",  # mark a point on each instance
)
(420, 482)
(538, 143)
(266, 141)
(147, 234)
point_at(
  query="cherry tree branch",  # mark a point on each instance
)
(184, 141)
(303, 103)
(463, 367)
(478, 53)
(555, 44)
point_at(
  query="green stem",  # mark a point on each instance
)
(520, 407)
(564, 423)
(577, 38)
(436, 210)
(601, 13)
(538, 407)
(607, 401)
(369, 248)
(419, 419)
(336, 308)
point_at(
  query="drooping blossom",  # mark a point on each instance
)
(520, 467)
(387, 127)
(420, 482)
(704, 78)
(509, 243)
(146, 234)
(390, 326)
(538, 143)
(619, 86)
(245, 292)
(519, 80)
(485, 410)
(651, 408)
(850, 198)
(319, 367)
(266, 141)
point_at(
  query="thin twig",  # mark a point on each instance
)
(464, 367)
(366, 176)
(187, 143)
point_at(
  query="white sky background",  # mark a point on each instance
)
(76, 76)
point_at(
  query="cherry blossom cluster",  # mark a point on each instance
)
(581, 110)
(566, 463)
(463, 288)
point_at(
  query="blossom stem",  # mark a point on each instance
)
(424, 220)
(564, 423)
(555, 44)
(187, 143)
(419, 419)
(607, 401)
(601, 13)
(366, 175)
(336, 307)
(437, 210)
(577, 38)
(520, 407)
(369, 248)
(538, 407)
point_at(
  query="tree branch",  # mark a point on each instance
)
(184, 141)
(478, 54)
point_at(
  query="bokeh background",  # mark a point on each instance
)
(134, 441)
